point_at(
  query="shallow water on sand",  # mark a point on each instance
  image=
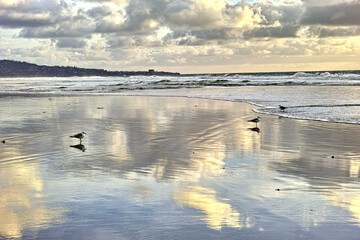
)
(172, 168)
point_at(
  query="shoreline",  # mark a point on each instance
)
(256, 110)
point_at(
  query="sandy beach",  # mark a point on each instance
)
(172, 168)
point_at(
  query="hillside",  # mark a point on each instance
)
(10, 68)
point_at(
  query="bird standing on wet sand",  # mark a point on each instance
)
(255, 120)
(282, 108)
(79, 136)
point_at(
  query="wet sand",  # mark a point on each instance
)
(172, 168)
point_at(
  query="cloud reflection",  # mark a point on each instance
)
(169, 141)
(21, 193)
(349, 201)
(217, 213)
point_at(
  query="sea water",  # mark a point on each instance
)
(324, 96)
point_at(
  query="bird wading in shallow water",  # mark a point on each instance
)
(255, 120)
(79, 136)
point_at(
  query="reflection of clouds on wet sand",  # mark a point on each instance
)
(217, 213)
(207, 163)
(346, 199)
(133, 137)
(322, 156)
(117, 144)
(200, 164)
(153, 147)
(177, 141)
(349, 201)
(21, 191)
(169, 140)
(189, 151)
(355, 168)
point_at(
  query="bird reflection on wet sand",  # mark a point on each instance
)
(79, 146)
(255, 129)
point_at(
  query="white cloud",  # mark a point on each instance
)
(212, 14)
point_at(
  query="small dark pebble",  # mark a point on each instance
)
(332, 156)
(223, 167)
(3, 141)
(278, 189)
(193, 152)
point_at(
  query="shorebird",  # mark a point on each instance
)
(255, 120)
(79, 136)
(282, 108)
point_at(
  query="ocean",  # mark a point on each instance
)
(322, 96)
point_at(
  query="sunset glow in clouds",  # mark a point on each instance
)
(188, 36)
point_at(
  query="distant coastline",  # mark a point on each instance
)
(10, 68)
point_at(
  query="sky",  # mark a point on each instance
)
(186, 36)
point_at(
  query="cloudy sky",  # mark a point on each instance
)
(188, 36)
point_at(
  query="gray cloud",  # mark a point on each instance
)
(213, 34)
(32, 6)
(73, 28)
(30, 13)
(99, 12)
(138, 16)
(144, 15)
(204, 14)
(283, 13)
(108, 26)
(187, 13)
(202, 37)
(286, 31)
(344, 14)
(325, 32)
(10, 20)
(132, 42)
(71, 43)
(45, 19)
